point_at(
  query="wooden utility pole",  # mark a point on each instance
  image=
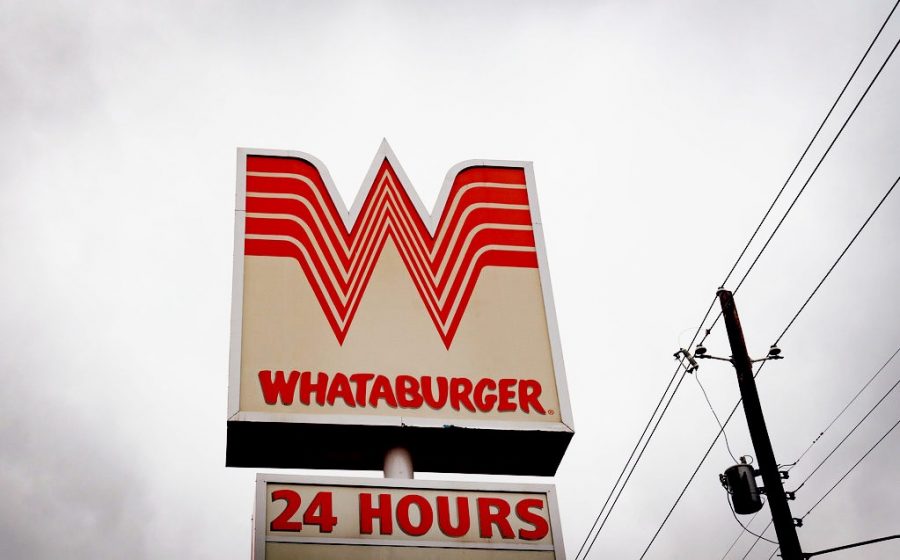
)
(768, 468)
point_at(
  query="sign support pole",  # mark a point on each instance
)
(398, 464)
(762, 445)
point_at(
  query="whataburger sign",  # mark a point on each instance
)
(349, 518)
(354, 331)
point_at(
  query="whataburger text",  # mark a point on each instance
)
(365, 389)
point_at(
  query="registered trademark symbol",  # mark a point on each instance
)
(551, 412)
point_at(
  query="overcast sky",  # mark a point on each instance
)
(659, 131)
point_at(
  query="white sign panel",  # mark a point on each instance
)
(385, 325)
(299, 518)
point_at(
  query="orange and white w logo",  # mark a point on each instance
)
(483, 219)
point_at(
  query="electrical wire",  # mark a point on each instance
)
(634, 466)
(722, 425)
(840, 443)
(763, 532)
(740, 534)
(809, 145)
(638, 444)
(766, 244)
(716, 416)
(690, 480)
(816, 168)
(628, 462)
(847, 406)
(841, 256)
(797, 165)
(744, 527)
(794, 318)
(882, 368)
(728, 419)
(851, 545)
(856, 464)
(696, 470)
(840, 480)
(708, 330)
(790, 323)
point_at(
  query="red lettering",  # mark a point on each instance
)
(276, 387)
(460, 389)
(462, 515)
(307, 387)
(426, 516)
(485, 402)
(487, 518)
(408, 395)
(439, 402)
(319, 512)
(404, 391)
(340, 387)
(506, 395)
(361, 380)
(529, 391)
(283, 522)
(381, 389)
(524, 513)
(383, 513)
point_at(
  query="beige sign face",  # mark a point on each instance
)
(299, 518)
(386, 314)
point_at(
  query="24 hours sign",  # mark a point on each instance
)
(323, 518)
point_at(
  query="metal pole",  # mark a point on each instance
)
(768, 468)
(398, 464)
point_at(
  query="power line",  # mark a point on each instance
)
(777, 227)
(690, 480)
(797, 165)
(841, 256)
(744, 527)
(716, 320)
(851, 545)
(882, 368)
(808, 146)
(840, 443)
(636, 445)
(635, 449)
(722, 427)
(856, 464)
(627, 462)
(696, 470)
(793, 319)
(636, 461)
(847, 406)
(816, 168)
(716, 416)
(819, 285)
(740, 534)
(843, 440)
(758, 537)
